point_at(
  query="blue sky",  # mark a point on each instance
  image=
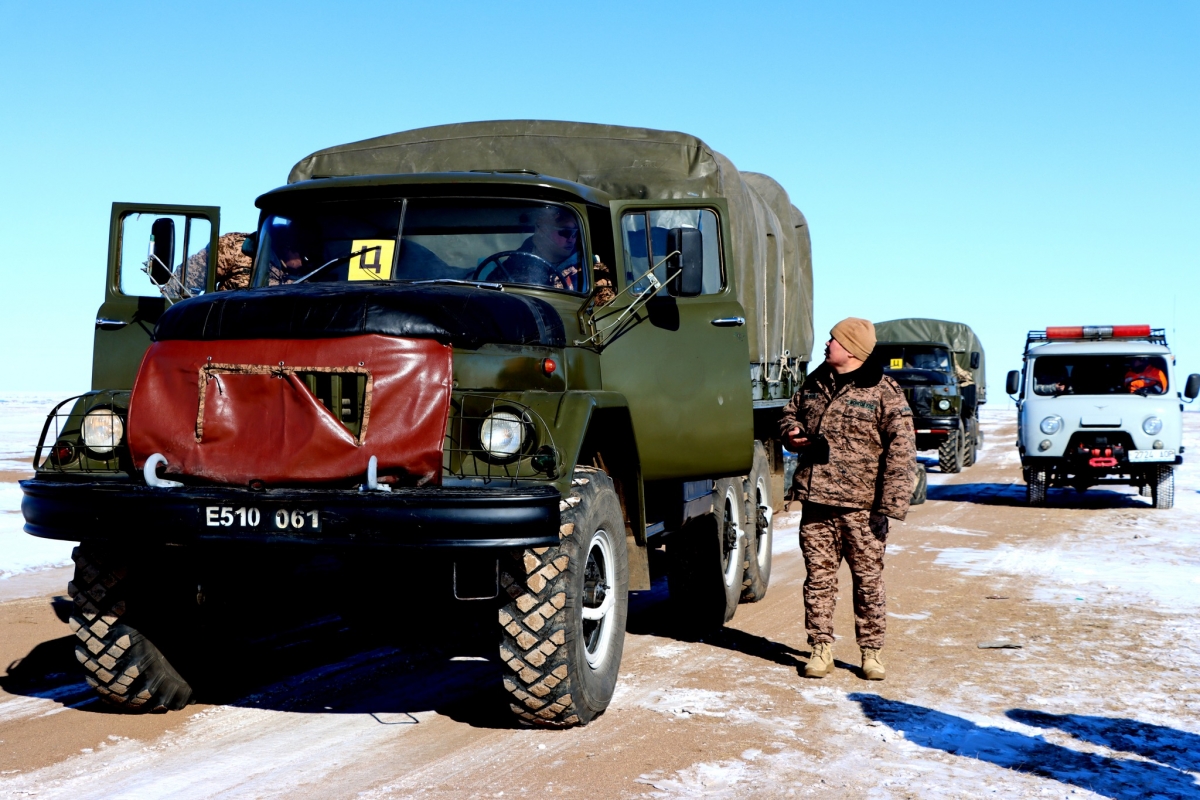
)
(1010, 165)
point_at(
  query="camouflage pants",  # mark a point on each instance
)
(827, 535)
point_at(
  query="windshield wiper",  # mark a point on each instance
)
(333, 261)
(499, 287)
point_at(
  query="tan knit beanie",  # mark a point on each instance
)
(856, 335)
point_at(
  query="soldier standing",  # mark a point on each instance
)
(853, 431)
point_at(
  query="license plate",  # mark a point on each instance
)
(253, 518)
(1142, 456)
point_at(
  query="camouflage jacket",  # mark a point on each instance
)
(872, 448)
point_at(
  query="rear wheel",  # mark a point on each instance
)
(950, 453)
(1162, 490)
(705, 561)
(1035, 487)
(563, 620)
(971, 446)
(759, 528)
(125, 668)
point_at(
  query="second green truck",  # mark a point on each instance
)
(940, 366)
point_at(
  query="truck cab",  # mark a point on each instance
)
(1100, 405)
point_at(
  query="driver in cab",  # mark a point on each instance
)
(1144, 377)
(550, 256)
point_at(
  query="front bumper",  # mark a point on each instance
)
(422, 518)
(936, 426)
(1072, 466)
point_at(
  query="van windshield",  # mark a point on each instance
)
(496, 241)
(1100, 374)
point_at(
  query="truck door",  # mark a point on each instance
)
(157, 255)
(683, 363)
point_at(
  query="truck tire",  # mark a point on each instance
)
(124, 667)
(971, 446)
(950, 453)
(564, 608)
(921, 490)
(760, 510)
(1162, 491)
(1035, 487)
(705, 561)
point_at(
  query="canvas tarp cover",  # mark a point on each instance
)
(772, 254)
(958, 336)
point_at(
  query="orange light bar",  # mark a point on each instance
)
(1099, 332)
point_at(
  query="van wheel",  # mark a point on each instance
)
(563, 618)
(1035, 487)
(921, 490)
(950, 453)
(1162, 491)
(124, 667)
(705, 561)
(759, 535)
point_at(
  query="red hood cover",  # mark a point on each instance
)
(237, 411)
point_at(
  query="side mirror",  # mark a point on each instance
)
(250, 245)
(1013, 384)
(1192, 388)
(162, 250)
(975, 360)
(688, 244)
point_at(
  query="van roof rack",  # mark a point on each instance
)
(1096, 333)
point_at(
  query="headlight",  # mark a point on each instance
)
(502, 434)
(1152, 425)
(943, 404)
(102, 430)
(1051, 425)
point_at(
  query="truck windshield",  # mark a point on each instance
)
(1100, 374)
(914, 356)
(496, 241)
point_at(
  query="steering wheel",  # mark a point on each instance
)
(502, 271)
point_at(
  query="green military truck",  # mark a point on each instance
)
(940, 366)
(496, 363)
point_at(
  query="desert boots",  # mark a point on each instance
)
(872, 664)
(820, 662)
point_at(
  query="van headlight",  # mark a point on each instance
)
(102, 430)
(1152, 425)
(502, 434)
(1051, 425)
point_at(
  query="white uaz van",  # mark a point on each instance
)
(1100, 405)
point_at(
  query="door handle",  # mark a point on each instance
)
(729, 322)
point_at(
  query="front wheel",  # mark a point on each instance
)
(563, 619)
(1162, 489)
(1035, 486)
(760, 528)
(125, 668)
(950, 453)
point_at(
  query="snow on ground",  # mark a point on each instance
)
(21, 419)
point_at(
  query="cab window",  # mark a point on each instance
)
(164, 255)
(644, 237)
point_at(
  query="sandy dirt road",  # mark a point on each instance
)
(1100, 699)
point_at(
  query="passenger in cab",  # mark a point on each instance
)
(1144, 377)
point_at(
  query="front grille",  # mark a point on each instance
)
(344, 394)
